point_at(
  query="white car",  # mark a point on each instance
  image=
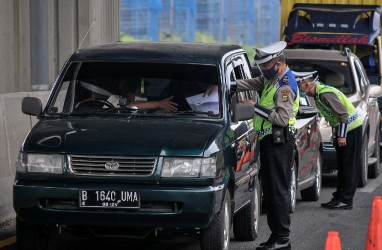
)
(344, 71)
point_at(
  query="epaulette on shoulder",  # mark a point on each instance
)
(284, 81)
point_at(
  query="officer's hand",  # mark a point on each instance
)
(249, 101)
(341, 141)
(210, 89)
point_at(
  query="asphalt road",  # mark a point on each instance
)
(310, 224)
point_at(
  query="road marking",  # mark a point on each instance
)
(371, 185)
(7, 242)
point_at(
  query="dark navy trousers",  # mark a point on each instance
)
(349, 168)
(275, 174)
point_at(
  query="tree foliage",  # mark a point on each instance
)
(201, 37)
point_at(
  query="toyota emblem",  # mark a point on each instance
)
(111, 165)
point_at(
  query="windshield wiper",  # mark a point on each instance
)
(115, 110)
(191, 112)
(122, 110)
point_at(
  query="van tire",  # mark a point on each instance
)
(246, 221)
(217, 236)
(313, 193)
(30, 236)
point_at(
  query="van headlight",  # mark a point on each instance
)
(40, 163)
(189, 167)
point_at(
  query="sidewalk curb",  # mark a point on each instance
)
(7, 228)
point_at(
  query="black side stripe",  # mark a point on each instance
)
(263, 112)
(342, 130)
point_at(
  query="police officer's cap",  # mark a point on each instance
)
(300, 76)
(264, 55)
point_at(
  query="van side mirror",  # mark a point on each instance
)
(31, 106)
(242, 111)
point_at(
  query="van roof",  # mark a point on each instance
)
(156, 51)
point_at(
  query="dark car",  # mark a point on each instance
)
(344, 71)
(307, 163)
(102, 168)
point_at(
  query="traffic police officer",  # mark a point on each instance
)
(274, 122)
(347, 128)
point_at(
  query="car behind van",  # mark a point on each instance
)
(344, 71)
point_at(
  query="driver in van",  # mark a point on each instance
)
(133, 96)
(95, 96)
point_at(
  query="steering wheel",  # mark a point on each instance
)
(93, 102)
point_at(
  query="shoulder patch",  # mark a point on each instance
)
(284, 94)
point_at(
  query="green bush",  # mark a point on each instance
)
(201, 37)
(126, 38)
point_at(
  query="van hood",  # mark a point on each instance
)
(136, 136)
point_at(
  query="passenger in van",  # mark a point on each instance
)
(191, 96)
(347, 135)
(133, 96)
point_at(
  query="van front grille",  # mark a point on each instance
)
(112, 165)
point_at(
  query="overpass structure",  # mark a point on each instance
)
(37, 36)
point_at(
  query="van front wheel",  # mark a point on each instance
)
(216, 237)
(30, 236)
(246, 221)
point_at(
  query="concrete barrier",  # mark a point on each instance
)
(14, 126)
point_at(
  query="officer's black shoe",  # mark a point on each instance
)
(331, 203)
(341, 205)
(271, 239)
(282, 243)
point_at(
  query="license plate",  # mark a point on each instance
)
(109, 198)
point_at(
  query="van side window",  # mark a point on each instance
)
(62, 100)
(238, 69)
(241, 69)
(246, 67)
(239, 72)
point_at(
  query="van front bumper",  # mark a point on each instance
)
(161, 206)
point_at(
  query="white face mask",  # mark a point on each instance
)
(303, 93)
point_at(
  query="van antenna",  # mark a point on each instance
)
(83, 39)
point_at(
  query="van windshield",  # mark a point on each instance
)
(111, 88)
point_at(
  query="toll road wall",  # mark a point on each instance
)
(14, 126)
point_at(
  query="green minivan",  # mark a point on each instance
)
(96, 159)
